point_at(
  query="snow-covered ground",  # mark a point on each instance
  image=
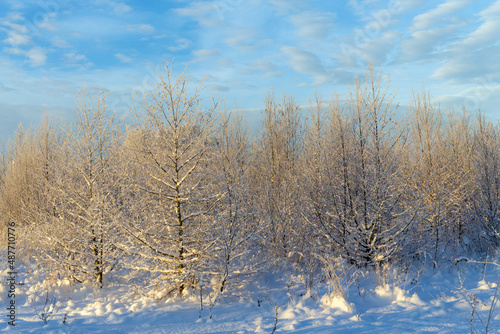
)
(434, 302)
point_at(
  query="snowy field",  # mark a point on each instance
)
(432, 302)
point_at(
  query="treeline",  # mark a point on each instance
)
(188, 193)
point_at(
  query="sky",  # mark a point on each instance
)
(52, 49)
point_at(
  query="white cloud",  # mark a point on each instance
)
(487, 32)
(14, 16)
(435, 16)
(475, 56)
(181, 44)
(16, 4)
(274, 74)
(357, 7)
(60, 43)
(472, 66)
(120, 8)
(14, 51)
(123, 58)
(75, 57)
(77, 60)
(308, 63)
(424, 42)
(247, 40)
(482, 96)
(206, 13)
(492, 10)
(4, 88)
(37, 56)
(368, 49)
(313, 25)
(264, 64)
(285, 7)
(47, 23)
(17, 34)
(19, 28)
(303, 61)
(17, 39)
(205, 53)
(140, 28)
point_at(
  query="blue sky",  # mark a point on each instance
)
(50, 49)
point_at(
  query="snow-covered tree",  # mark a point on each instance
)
(169, 150)
(28, 168)
(235, 231)
(275, 172)
(76, 233)
(440, 150)
(486, 197)
(371, 201)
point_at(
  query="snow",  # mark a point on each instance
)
(432, 302)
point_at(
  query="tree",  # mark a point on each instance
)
(170, 150)
(235, 232)
(76, 234)
(28, 168)
(311, 245)
(441, 160)
(486, 196)
(275, 170)
(371, 209)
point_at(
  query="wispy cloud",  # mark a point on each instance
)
(123, 58)
(140, 28)
(204, 12)
(377, 49)
(181, 44)
(313, 25)
(472, 66)
(204, 53)
(75, 59)
(120, 8)
(247, 40)
(309, 63)
(474, 56)
(17, 34)
(15, 4)
(437, 15)
(487, 32)
(423, 43)
(37, 56)
(60, 43)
